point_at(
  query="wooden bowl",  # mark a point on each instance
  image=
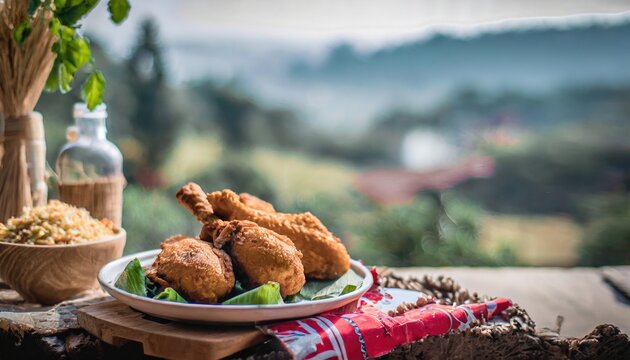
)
(49, 274)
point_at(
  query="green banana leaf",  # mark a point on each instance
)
(132, 279)
(266, 294)
(317, 290)
(169, 294)
(152, 289)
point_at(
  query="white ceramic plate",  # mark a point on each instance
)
(233, 314)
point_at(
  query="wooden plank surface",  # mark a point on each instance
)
(619, 278)
(580, 295)
(20, 316)
(116, 323)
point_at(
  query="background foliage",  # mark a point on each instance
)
(566, 154)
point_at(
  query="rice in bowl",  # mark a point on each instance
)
(55, 224)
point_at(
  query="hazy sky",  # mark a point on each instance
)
(257, 40)
(389, 15)
(366, 23)
(234, 38)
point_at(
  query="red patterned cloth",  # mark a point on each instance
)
(369, 332)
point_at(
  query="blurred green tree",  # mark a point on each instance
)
(607, 237)
(154, 119)
(151, 216)
(434, 230)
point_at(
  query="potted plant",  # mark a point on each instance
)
(40, 47)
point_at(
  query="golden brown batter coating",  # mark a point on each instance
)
(324, 256)
(255, 202)
(261, 255)
(193, 199)
(195, 269)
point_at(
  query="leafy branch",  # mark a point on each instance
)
(71, 49)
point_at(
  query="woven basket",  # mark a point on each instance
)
(102, 198)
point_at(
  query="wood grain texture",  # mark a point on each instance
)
(619, 278)
(49, 274)
(580, 295)
(116, 323)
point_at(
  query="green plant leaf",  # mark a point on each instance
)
(74, 10)
(22, 31)
(132, 279)
(93, 89)
(33, 5)
(60, 47)
(52, 83)
(169, 294)
(266, 294)
(60, 4)
(77, 52)
(54, 26)
(72, 53)
(118, 10)
(316, 290)
(65, 78)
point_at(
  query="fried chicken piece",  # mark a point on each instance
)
(194, 268)
(255, 202)
(259, 254)
(193, 199)
(324, 256)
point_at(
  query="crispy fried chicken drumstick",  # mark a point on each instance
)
(324, 256)
(194, 268)
(256, 203)
(259, 254)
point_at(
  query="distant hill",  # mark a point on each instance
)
(524, 60)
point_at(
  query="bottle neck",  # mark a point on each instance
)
(91, 127)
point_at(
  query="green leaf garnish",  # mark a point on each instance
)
(93, 89)
(317, 290)
(118, 10)
(152, 288)
(266, 294)
(132, 279)
(169, 294)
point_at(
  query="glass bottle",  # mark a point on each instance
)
(89, 167)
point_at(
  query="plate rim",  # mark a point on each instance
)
(367, 283)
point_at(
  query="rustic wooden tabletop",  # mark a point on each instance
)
(581, 295)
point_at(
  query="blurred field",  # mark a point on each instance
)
(295, 176)
(535, 240)
(193, 154)
(292, 176)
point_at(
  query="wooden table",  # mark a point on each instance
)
(579, 294)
